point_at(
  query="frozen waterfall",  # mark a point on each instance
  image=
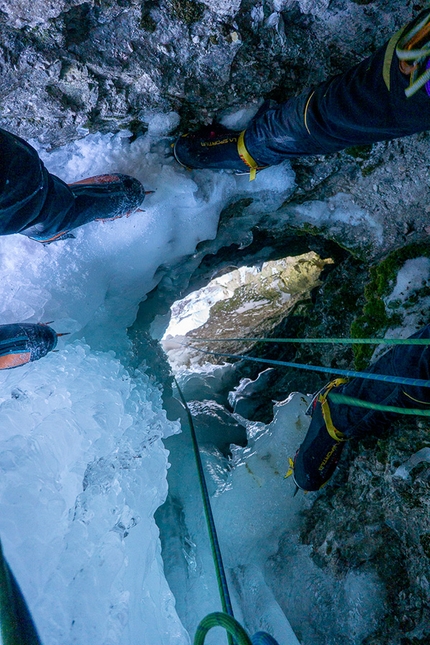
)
(82, 457)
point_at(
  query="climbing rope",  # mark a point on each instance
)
(338, 341)
(235, 629)
(216, 552)
(235, 632)
(359, 403)
(317, 368)
(17, 627)
(413, 49)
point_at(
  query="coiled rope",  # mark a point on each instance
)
(235, 632)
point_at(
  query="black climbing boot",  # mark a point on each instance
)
(216, 148)
(104, 197)
(318, 456)
(22, 343)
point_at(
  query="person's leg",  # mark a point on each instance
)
(333, 423)
(361, 106)
(41, 206)
(353, 108)
(104, 197)
(28, 193)
(411, 361)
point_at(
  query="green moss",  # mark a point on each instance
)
(375, 319)
(359, 152)
(188, 11)
(368, 168)
(308, 229)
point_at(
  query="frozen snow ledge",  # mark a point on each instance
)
(404, 471)
(338, 218)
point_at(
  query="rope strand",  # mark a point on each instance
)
(338, 341)
(319, 368)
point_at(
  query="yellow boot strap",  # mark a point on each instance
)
(335, 434)
(290, 468)
(246, 157)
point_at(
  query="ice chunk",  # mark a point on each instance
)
(406, 468)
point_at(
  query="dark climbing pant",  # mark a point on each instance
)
(411, 361)
(354, 108)
(31, 199)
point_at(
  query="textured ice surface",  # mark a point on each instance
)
(275, 585)
(83, 466)
(252, 505)
(83, 470)
(339, 212)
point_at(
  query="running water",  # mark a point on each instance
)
(82, 457)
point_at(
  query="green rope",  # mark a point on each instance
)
(213, 537)
(350, 400)
(338, 341)
(17, 627)
(230, 624)
(235, 632)
(234, 629)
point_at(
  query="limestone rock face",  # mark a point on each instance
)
(25, 13)
(72, 67)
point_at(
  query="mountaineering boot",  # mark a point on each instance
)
(104, 197)
(318, 456)
(216, 148)
(22, 343)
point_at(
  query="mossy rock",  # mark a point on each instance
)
(375, 319)
(188, 11)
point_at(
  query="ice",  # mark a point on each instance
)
(413, 275)
(83, 464)
(408, 298)
(404, 471)
(253, 480)
(234, 119)
(340, 212)
(160, 124)
(243, 399)
(82, 453)
(83, 468)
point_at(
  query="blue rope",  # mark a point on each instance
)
(336, 341)
(325, 370)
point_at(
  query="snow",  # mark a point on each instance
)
(82, 446)
(409, 298)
